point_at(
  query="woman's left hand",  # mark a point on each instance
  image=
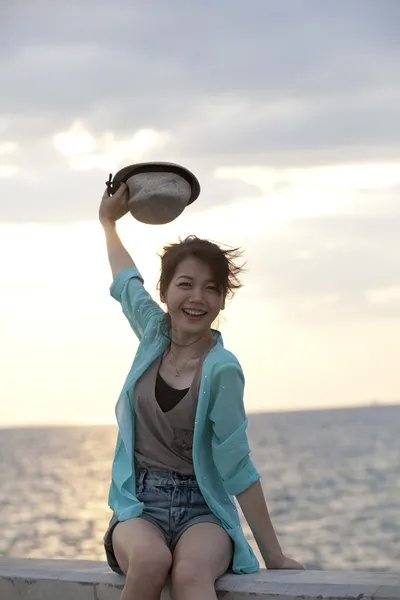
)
(284, 562)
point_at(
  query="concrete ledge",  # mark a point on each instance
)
(35, 579)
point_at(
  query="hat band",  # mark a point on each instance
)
(112, 186)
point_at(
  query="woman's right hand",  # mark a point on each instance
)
(114, 207)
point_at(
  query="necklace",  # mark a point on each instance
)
(178, 371)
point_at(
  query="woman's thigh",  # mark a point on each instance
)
(140, 545)
(204, 550)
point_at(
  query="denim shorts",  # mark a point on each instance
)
(172, 502)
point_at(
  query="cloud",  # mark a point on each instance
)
(8, 171)
(230, 83)
(8, 148)
(107, 151)
(75, 142)
(343, 189)
(384, 295)
(322, 267)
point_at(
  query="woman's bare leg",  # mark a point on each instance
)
(202, 555)
(142, 554)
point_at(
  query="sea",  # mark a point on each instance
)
(331, 479)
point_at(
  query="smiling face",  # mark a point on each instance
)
(193, 298)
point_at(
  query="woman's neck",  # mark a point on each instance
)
(190, 345)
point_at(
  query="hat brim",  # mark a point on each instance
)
(158, 167)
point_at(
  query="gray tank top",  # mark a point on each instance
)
(164, 440)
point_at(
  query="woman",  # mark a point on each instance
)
(182, 453)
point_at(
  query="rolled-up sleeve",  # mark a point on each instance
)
(137, 304)
(230, 445)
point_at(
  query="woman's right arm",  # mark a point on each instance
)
(111, 209)
(127, 286)
(118, 257)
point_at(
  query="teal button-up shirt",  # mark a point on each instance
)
(221, 453)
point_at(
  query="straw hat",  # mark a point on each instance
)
(158, 191)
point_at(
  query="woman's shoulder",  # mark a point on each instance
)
(220, 358)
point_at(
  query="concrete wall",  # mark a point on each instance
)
(34, 579)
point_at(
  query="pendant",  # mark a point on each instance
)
(177, 374)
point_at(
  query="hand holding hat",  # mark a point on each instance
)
(114, 207)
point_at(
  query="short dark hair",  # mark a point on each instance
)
(221, 262)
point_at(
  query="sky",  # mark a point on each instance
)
(289, 115)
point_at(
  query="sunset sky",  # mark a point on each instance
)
(287, 111)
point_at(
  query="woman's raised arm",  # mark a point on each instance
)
(111, 209)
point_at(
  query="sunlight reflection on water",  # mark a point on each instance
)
(332, 481)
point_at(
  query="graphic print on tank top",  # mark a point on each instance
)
(182, 443)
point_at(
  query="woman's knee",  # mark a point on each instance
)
(187, 574)
(147, 563)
